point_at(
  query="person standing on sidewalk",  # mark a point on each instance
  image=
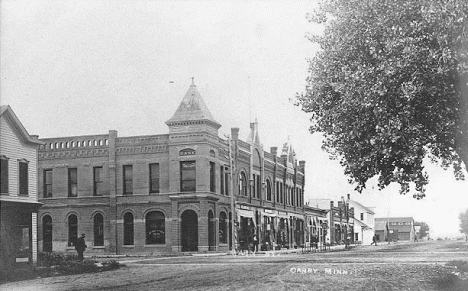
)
(255, 243)
(80, 246)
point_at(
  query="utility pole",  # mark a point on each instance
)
(233, 206)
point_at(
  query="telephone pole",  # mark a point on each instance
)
(233, 205)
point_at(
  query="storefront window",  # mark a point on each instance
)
(223, 228)
(98, 230)
(155, 228)
(72, 229)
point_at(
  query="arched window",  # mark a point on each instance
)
(98, 230)
(72, 229)
(47, 234)
(128, 228)
(242, 184)
(155, 228)
(268, 190)
(223, 228)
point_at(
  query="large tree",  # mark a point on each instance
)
(388, 87)
(464, 222)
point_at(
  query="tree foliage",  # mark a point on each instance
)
(464, 222)
(424, 230)
(388, 87)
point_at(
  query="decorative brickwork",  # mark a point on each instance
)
(191, 157)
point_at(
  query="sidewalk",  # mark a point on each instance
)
(131, 258)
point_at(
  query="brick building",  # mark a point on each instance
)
(340, 219)
(317, 225)
(169, 192)
(18, 192)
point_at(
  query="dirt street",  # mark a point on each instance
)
(398, 266)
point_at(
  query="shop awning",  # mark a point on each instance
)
(245, 213)
(25, 205)
(274, 214)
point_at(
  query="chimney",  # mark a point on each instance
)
(331, 205)
(253, 125)
(274, 151)
(302, 166)
(234, 133)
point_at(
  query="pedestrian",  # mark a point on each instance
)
(347, 242)
(255, 243)
(80, 246)
(374, 240)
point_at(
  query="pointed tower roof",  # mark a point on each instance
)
(253, 135)
(192, 108)
(288, 152)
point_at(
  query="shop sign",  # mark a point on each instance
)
(187, 152)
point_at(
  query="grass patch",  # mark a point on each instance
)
(455, 280)
(461, 266)
(56, 264)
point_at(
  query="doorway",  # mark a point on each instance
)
(47, 234)
(189, 231)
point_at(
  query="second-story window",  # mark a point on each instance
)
(362, 216)
(128, 179)
(97, 181)
(226, 182)
(212, 177)
(23, 178)
(243, 184)
(48, 183)
(277, 192)
(187, 176)
(254, 186)
(221, 176)
(281, 192)
(3, 175)
(72, 182)
(154, 178)
(259, 187)
(268, 190)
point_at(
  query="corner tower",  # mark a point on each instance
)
(192, 115)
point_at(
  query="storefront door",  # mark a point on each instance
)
(189, 231)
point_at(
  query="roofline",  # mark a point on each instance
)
(18, 126)
(175, 122)
(365, 207)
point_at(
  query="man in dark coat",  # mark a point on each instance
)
(80, 246)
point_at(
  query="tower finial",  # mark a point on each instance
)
(193, 81)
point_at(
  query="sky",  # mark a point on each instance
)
(86, 67)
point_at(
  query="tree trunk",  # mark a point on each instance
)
(462, 136)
